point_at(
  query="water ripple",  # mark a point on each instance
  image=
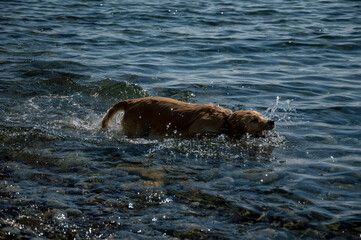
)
(64, 64)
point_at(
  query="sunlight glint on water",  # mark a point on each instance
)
(64, 64)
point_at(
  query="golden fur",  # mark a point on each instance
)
(169, 117)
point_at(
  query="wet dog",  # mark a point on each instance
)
(168, 117)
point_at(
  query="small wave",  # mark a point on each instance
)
(112, 89)
(47, 74)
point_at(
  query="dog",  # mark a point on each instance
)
(169, 117)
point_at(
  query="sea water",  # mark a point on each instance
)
(64, 63)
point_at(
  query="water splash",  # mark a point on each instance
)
(280, 111)
(219, 148)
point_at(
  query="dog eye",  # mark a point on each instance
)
(254, 120)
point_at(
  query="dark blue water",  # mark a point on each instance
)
(64, 63)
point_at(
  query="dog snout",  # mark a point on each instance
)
(271, 123)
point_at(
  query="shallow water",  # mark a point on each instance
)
(63, 64)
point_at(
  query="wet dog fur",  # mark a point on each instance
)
(169, 117)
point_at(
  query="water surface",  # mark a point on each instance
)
(63, 64)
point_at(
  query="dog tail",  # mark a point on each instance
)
(112, 111)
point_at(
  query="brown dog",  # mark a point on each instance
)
(169, 117)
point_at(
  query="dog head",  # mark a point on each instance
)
(248, 121)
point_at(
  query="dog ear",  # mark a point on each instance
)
(236, 125)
